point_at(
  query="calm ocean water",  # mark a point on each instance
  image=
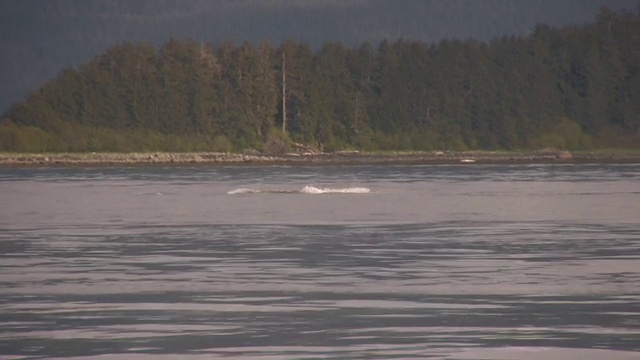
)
(365, 262)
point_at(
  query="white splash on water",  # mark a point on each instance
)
(305, 190)
(243, 191)
(351, 190)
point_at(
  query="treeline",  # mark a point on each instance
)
(78, 30)
(571, 87)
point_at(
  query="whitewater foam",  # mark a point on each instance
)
(243, 191)
(352, 190)
(305, 190)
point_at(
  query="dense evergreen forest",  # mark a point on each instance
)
(574, 87)
(39, 38)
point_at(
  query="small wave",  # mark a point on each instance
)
(352, 190)
(243, 191)
(305, 190)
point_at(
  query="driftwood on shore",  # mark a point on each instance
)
(342, 157)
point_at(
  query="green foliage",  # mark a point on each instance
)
(569, 88)
(220, 143)
(276, 144)
(565, 134)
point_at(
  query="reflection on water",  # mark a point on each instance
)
(358, 278)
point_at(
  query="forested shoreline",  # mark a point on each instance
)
(566, 88)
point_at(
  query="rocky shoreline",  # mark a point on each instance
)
(337, 158)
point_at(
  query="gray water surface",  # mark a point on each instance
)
(366, 262)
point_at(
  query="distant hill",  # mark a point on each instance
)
(574, 87)
(40, 38)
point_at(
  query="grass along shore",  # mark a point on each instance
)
(341, 157)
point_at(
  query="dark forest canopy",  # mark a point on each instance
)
(571, 87)
(39, 38)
